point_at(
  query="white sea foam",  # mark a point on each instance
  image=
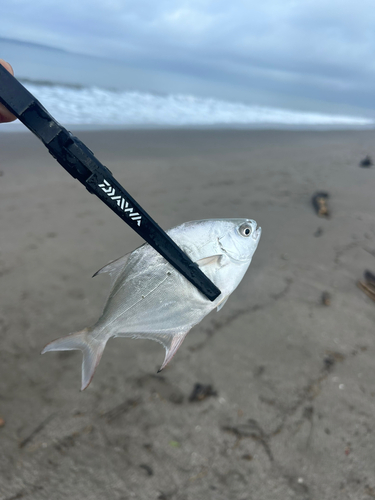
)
(96, 106)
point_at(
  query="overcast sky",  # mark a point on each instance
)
(316, 49)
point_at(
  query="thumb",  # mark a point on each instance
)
(5, 114)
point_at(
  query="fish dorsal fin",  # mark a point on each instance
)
(212, 259)
(114, 267)
(222, 303)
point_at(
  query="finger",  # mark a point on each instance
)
(5, 114)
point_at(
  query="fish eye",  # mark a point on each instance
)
(245, 229)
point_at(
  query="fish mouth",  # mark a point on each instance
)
(256, 230)
(256, 234)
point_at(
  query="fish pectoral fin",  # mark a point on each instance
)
(222, 303)
(114, 267)
(212, 259)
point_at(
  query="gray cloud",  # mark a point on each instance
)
(314, 49)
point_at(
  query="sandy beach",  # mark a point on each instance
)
(294, 412)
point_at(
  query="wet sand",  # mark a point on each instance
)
(294, 414)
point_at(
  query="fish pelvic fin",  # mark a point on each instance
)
(92, 350)
(222, 303)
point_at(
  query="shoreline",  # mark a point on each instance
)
(17, 127)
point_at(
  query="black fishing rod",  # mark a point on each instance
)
(80, 162)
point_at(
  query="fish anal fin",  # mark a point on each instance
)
(114, 267)
(172, 347)
(222, 303)
(212, 259)
(170, 341)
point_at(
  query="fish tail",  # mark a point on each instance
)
(92, 350)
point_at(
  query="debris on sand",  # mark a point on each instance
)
(36, 431)
(121, 409)
(2, 422)
(320, 204)
(368, 285)
(326, 299)
(201, 392)
(331, 358)
(366, 162)
(253, 430)
(369, 277)
(148, 469)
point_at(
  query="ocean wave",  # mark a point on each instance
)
(97, 106)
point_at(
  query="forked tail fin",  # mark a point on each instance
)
(92, 350)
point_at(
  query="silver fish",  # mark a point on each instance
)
(149, 299)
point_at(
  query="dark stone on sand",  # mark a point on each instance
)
(366, 162)
(326, 299)
(328, 362)
(148, 469)
(201, 392)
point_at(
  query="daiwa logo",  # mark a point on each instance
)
(121, 202)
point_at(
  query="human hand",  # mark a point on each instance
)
(5, 114)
